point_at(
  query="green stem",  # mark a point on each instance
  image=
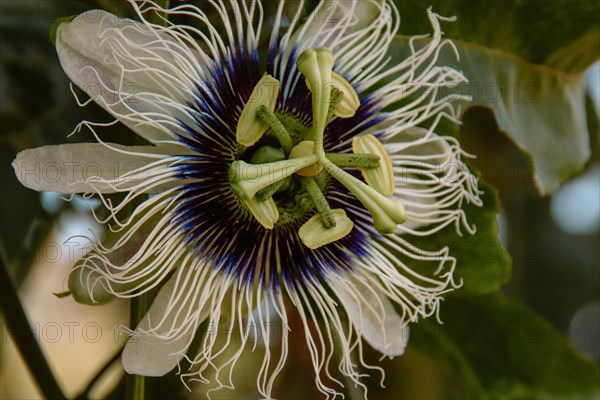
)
(86, 392)
(24, 338)
(136, 383)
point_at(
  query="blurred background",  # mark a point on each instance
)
(553, 240)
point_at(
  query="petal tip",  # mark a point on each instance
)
(148, 356)
(22, 172)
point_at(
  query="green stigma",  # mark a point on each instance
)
(288, 157)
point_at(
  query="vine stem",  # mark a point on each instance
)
(24, 338)
(135, 386)
(86, 392)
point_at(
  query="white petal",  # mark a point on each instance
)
(372, 314)
(140, 75)
(146, 352)
(85, 167)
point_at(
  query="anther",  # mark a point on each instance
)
(303, 149)
(380, 178)
(250, 128)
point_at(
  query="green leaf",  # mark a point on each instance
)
(501, 350)
(578, 55)
(542, 110)
(525, 61)
(534, 30)
(482, 264)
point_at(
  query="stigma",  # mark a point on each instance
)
(282, 160)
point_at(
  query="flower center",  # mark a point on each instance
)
(297, 161)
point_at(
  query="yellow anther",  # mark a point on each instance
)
(380, 178)
(265, 212)
(350, 101)
(250, 127)
(304, 149)
(314, 234)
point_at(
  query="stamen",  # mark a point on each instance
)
(349, 102)
(304, 149)
(314, 234)
(320, 202)
(343, 101)
(265, 211)
(270, 190)
(250, 128)
(382, 177)
(337, 96)
(295, 128)
(282, 135)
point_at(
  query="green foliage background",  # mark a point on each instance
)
(504, 332)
